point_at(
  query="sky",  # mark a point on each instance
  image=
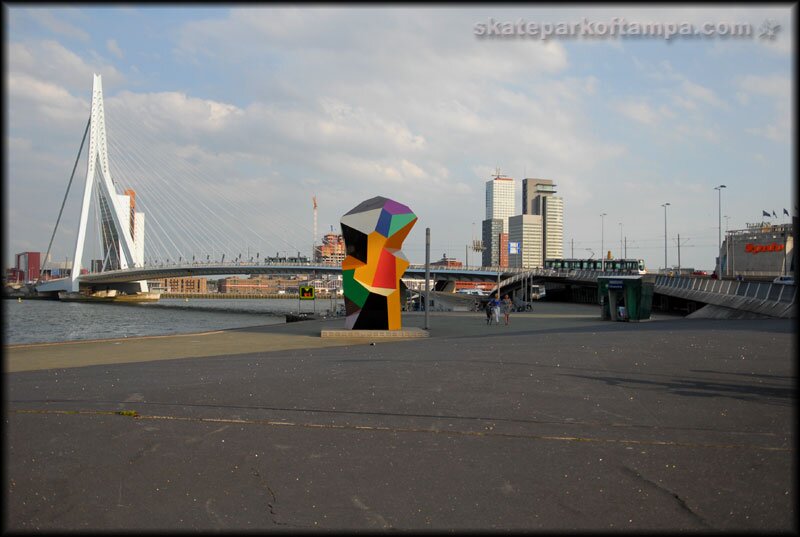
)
(244, 113)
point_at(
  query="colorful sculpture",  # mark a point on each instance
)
(373, 234)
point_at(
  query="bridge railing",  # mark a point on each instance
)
(747, 289)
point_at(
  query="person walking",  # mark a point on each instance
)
(496, 309)
(489, 311)
(507, 306)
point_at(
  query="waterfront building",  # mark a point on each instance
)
(331, 251)
(525, 234)
(112, 247)
(28, 266)
(14, 275)
(254, 285)
(58, 269)
(259, 285)
(538, 198)
(181, 285)
(761, 250)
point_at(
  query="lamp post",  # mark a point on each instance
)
(620, 241)
(665, 235)
(602, 243)
(719, 231)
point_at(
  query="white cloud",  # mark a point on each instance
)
(19, 145)
(701, 93)
(44, 100)
(778, 89)
(48, 19)
(665, 111)
(777, 86)
(173, 110)
(113, 48)
(742, 98)
(777, 132)
(346, 104)
(50, 61)
(638, 111)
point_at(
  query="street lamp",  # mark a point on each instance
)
(620, 241)
(719, 232)
(602, 243)
(665, 235)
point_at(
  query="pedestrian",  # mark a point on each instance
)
(489, 311)
(507, 305)
(496, 309)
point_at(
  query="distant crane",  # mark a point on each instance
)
(314, 244)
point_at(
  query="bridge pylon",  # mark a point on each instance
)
(122, 229)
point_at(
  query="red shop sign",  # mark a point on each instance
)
(758, 248)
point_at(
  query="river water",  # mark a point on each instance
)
(47, 321)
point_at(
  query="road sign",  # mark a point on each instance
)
(306, 292)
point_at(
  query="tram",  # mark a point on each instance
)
(612, 265)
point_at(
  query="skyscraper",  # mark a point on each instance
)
(499, 207)
(495, 243)
(500, 198)
(538, 199)
(525, 230)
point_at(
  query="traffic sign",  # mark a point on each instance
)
(306, 292)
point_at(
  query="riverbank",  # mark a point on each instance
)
(283, 336)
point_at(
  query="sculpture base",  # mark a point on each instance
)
(405, 332)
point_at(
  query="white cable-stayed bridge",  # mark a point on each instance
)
(154, 209)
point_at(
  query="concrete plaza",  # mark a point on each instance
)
(559, 422)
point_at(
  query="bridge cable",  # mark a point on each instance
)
(177, 207)
(120, 164)
(64, 201)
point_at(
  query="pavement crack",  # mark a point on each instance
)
(372, 517)
(272, 499)
(680, 501)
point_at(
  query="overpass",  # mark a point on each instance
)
(686, 293)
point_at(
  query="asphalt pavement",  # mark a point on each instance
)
(558, 422)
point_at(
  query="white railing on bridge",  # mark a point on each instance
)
(748, 289)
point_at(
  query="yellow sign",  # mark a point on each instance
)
(306, 292)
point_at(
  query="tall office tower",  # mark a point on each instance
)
(525, 235)
(500, 198)
(499, 207)
(538, 199)
(495, 244)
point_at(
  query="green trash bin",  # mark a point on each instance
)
(625, 298)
